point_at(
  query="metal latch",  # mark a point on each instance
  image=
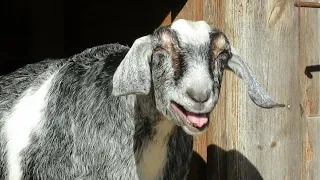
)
(308, 4)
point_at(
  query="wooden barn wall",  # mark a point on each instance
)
(309, 67)
(281, 44)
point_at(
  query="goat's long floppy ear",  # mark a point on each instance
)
(258, 95)
(133, 75)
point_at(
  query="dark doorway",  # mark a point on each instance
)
(34, 30)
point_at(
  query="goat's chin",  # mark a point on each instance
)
(192, 123)
(195, 131)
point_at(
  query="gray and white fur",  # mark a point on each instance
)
(114, 112)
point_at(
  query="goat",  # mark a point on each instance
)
(114, 112)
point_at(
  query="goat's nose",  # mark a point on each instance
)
(198, 95)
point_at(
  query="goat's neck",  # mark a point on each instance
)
(146, 109)
(147, 114)
(153, 131)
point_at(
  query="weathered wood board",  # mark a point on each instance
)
(281, 44)
(309, 63)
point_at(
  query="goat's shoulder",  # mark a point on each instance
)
(93, 62)
(14, 84)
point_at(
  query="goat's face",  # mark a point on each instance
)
(187, 66)
(184, 64)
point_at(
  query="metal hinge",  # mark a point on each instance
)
(308, 4)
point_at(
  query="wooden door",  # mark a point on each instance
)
(280, 43)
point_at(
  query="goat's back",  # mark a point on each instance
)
(23, 92)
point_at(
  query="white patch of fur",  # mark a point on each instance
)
(153, 157)
(192, 31)
(25, 116)
(198, 76)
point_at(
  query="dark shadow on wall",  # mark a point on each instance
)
(35, 29)
(222, 165)
(197, 168)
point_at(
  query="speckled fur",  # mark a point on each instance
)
(100, 146)
(88, 133)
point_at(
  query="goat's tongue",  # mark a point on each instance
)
(197, 119)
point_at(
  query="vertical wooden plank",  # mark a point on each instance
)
(213, 14)
(192, 10)
(311, 150)
(267, 143)
(309, 62)
(167, 20)
(217, 141)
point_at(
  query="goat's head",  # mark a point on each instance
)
(184, 63)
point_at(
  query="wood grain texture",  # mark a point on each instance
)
(167, 20)
(193, 10)
(309, 58)
(309, 62)
(280, 43)
(311, 150)
(268, 142)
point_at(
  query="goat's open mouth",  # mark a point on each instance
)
(195, 121)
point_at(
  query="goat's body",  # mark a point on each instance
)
(58, 120)
(112, 112)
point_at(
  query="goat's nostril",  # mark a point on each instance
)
(198, 95)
